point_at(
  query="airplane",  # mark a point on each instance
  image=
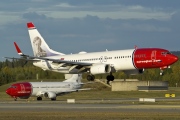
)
(130, 61)
(24, 90)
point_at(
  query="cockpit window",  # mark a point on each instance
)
(165, 53)
(168, 53)
(12, 87)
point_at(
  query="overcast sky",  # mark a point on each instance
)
(71, 26)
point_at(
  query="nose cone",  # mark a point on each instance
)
(174, 59)
(8, 91)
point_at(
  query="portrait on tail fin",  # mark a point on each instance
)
(38, 51)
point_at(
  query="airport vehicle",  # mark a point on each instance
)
(50, 90)
(130, 61)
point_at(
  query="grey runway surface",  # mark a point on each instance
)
(56, 106)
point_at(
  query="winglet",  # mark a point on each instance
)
(18, 49)
(30, 25)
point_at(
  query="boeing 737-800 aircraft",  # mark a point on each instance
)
(130, 61)
(50, 90)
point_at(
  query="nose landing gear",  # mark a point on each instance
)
(162, 69)
(161, 72)
(15, 98)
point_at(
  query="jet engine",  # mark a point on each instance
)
(134, 72)
(100, 68)
(50, 95)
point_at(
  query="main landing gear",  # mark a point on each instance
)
(109, 78)
(39, 98)
(90, 77)
(53, 99)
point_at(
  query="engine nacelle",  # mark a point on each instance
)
(134, 72)
(100, 69)
(50, 95)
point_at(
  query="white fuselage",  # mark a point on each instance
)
(39, 88)
(120, 60)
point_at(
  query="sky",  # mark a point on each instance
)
(72, 26)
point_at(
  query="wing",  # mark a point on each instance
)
(75, 90)
(69, 91)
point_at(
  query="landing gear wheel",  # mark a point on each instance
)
(39, 98)
(161, 73)
(90, 77)
(108, 82)
(110, 78)
(53, 99)
(15, 99)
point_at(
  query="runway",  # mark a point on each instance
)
(59, 110)
(87, 107)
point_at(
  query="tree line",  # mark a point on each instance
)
(16, 70)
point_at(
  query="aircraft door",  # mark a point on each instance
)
(22, 88)
(153, 57)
